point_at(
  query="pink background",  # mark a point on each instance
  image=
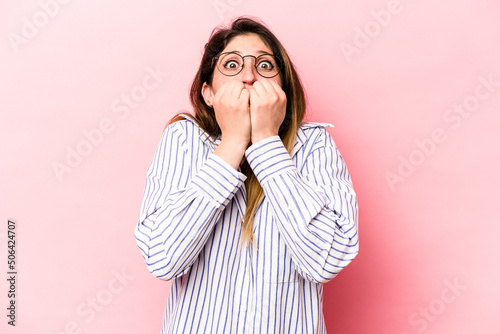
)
(388, 74)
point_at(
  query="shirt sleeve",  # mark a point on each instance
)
(315, 208)
(179, 210)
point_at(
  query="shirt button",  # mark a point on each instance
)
(192, 235)
(290, 207)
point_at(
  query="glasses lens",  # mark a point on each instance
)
(267, 65)
(231, 64)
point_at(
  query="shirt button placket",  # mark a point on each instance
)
(249, 328)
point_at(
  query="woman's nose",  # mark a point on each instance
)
(249, 73)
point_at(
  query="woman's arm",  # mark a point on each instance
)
(179, 209)
(315, 208)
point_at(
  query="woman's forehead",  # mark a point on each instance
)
(248, 43)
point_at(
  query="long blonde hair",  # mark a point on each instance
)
(205, 116)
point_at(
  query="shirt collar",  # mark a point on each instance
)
(213, 142)
(302, 136)
(208, 140)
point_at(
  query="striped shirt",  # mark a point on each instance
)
(189, 231)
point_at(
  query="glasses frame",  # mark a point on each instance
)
(279, 63)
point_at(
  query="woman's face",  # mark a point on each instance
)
(249, 44)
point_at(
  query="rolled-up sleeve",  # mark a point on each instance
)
(182, 204)
(315, 208)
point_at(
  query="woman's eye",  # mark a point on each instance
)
(266, 65)
(232, 64)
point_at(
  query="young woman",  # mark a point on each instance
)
(245, 208)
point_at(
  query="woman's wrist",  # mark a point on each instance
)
(261, 136)
(231, 151)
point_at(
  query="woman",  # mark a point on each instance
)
(248, 210)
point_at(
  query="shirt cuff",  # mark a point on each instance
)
(269, 158)
(218, 181)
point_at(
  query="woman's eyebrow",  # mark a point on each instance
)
(264, 52)
(258, 52)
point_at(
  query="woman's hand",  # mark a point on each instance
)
(267, 109)
(231, 105)
(232, 112)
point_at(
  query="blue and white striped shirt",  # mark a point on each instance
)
(189, 230)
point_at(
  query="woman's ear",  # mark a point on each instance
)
(208, 94)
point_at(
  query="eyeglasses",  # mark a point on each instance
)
(231, 64)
